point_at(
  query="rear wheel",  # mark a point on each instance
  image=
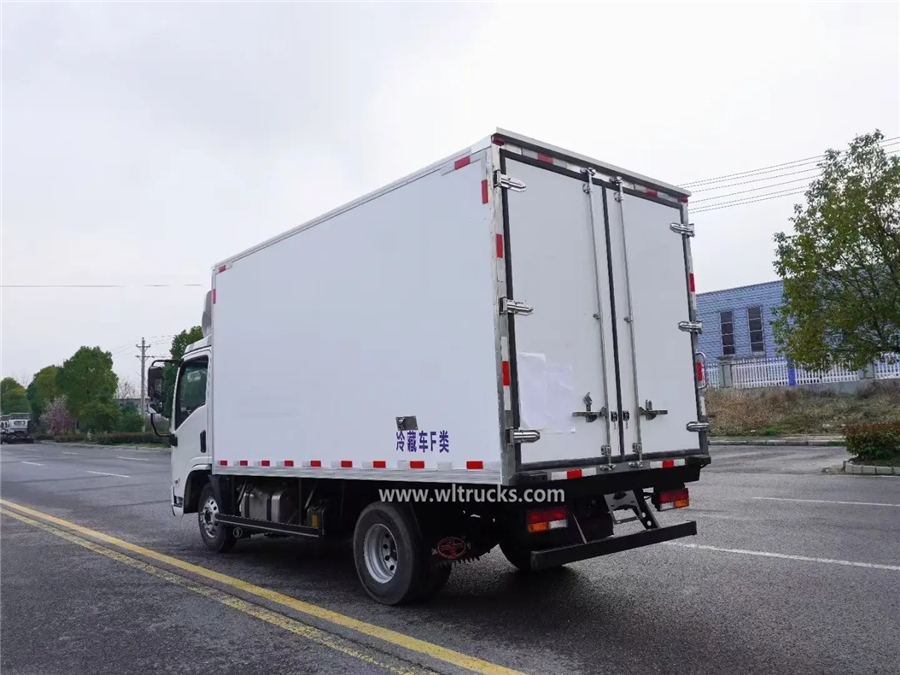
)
(217, 537)
(389, 557)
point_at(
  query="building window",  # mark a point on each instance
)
(726, 323)
(757, 341)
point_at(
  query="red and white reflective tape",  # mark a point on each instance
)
(573, 473)
(650, 192)
(547, 159)
(223, 268)
(410, 464)
(667, 464)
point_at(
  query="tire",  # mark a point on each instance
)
(435, 580)
(218, 538)
(388, 554)
(520, 557)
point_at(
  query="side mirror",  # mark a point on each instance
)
(155, 386)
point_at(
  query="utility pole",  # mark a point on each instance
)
(143, 357)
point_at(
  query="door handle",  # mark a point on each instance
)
(203, 441)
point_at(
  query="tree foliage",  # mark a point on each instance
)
(13, 397)
(87, 377)
(43, 389)
(179, 344)
(841, 266)
(56, 418)
(100, 416)
(129, 421)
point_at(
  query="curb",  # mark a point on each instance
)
(107, 447)
(780, 442)
(867, 470)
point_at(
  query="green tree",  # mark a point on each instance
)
(13, 398)
(42, 390)
(99, 415)
(179, 344)
(841, 266)
(130, 420)
(87, 377)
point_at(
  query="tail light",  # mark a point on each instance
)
(548, 519)
(671, 499)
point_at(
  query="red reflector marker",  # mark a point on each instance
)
(460, 163)
(653, 193)
(575, 473)
(684, 200)
(499, 245)
(699, 371)
(506, 376)
(691, 281)
(417, 464)
(222, 268)
(474, 465)
(223, 462)
(545, 158)
(265, 462)
(668, 463)
(214, 296)
(346, 464)
(484, 192)
(316, 463)
(289, 462)
(379, 464)
(244, 462)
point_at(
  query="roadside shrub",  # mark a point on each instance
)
(130, 421)
(878, 441)
(138, 438)
(69, 438)
(41, 436)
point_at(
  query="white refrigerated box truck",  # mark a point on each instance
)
(510, 332)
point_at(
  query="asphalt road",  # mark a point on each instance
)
(793, 572)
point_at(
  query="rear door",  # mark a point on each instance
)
(603, 337)
(563, 368)
(659, 396)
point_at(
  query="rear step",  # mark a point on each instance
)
(554, 557)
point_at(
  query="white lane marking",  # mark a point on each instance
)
(69, 453)
(784, 556)
(32, 463)
(825, 501)
(134, 459)
(102, 473)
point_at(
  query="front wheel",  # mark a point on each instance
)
(217, 537)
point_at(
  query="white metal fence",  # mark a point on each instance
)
(765, 372)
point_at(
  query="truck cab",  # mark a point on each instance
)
(187, 427)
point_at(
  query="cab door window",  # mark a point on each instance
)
(191, 392)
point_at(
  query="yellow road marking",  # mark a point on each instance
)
(385, 634)
(279, 620)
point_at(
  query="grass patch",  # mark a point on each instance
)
(783, 411)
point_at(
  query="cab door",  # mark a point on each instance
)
(189, 424)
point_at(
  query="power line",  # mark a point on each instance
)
(757, 180)
(750, 200)
(761, 187)
(776, 167)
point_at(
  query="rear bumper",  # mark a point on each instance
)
(566, 554)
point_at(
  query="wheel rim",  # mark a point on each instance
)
(208, 517)
(380, 552)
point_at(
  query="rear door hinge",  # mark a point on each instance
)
(508, 306)
(508, 182)
(691, 326)
(524, 435)
(685, 229)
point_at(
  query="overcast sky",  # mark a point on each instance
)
(144, 142)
